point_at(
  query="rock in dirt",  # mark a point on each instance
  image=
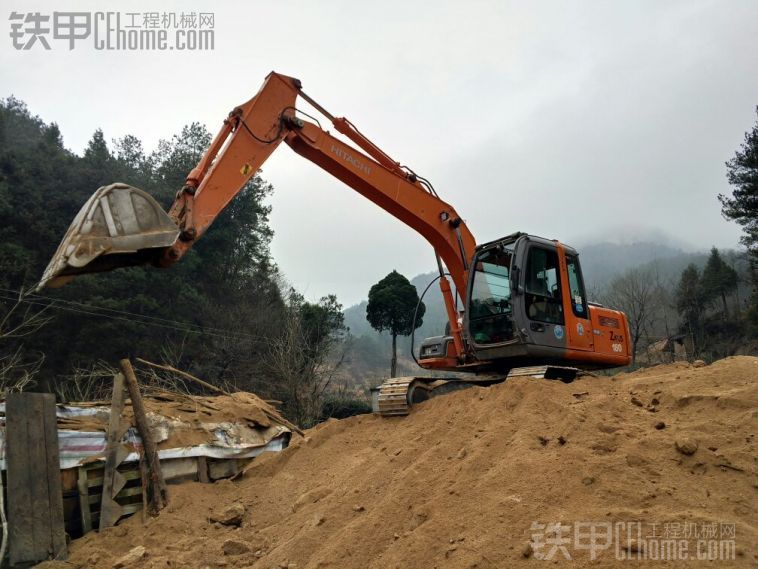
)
(135, 555)
(235, 547)
(686, 446)
(229, 515)
(699, 363)
(660, 425)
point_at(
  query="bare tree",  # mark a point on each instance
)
(92, 383)
(634, 293)
(666, 316)
(95, 382)
(305, 357)
(22, 318)
(19, 319)
(17, 371)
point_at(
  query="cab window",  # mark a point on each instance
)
(542, 286)
(578, 298)
(490, 310)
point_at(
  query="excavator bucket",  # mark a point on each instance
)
(119, 226)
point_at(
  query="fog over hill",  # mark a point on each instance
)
(601, 262)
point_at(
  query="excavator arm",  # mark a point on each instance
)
(249, 135)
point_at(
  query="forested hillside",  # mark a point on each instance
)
(222, 313)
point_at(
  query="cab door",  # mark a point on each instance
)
(543, 305)
(577, 314)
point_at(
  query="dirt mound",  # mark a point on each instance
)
(181, 420)
(468, 479)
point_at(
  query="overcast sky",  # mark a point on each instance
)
(570, 120)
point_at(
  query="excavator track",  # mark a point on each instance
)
(562, 373)
(393, 396)
(398, 395)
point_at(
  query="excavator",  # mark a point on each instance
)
(517, 305)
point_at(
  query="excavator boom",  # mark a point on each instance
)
(122, 226)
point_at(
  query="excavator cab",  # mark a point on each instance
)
(527, 305)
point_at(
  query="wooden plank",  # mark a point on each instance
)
(57, 522)
(128, 475)
(35, 507)
(37, 479)
(132, 491)
(69, 478)
(143, 484)
(223, 468)
(132, 508)
(110, 510)
(20, 536)
(128, 509)
(178, 468)
(84, 501)
(202, 469)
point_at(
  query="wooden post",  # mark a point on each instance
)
(158, 494)
(115, 452)
(202, 469)
(35, 496)
(84, 506)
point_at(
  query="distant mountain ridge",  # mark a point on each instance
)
(601, 262)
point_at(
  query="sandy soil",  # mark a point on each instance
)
(188, 420)
(462, 480)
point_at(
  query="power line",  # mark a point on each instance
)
(137, 319)
(112, 310)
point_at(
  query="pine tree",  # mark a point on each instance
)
(742, 173)
(718, 281)
(689, 302)
(742, 205)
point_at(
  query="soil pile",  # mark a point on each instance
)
(180, 420)
(467, 479)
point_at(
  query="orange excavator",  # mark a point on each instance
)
(523, 306)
